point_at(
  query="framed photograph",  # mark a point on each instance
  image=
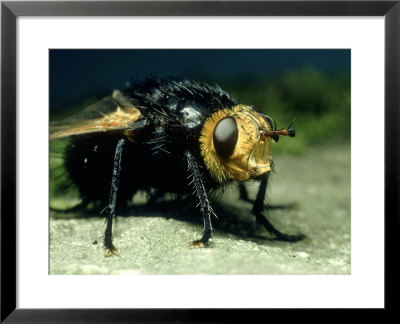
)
(197, 155)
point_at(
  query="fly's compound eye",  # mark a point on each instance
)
(225, 136)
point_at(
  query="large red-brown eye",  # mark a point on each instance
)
(225, 136)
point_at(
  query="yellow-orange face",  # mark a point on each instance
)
(233, 146)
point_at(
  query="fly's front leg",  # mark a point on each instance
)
(205, 206)
(109, 210)
(258, 207)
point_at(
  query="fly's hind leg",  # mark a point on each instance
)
(205, 206)
(257, 211)
(109, 210)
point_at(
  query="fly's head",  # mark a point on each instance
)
(236, 144)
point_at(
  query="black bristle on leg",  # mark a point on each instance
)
(109, 210)
(205, 205)
(257, 211)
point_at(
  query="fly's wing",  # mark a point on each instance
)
(116, 113)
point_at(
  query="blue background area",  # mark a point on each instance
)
(77, 74)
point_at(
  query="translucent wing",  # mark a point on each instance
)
(115, 113)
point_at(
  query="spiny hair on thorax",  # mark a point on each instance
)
(174, 94)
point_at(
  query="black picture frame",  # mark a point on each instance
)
(10, 10)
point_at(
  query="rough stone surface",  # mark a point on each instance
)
(155, 241)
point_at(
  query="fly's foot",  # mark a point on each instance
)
(203, 242)
(279, 236)
(198, 244)
(111, 251)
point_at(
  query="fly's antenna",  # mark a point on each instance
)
(293, 120)
(285, 132)
(275, 134)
